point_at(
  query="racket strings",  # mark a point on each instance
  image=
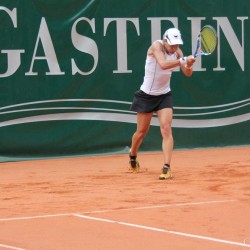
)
(208, 40)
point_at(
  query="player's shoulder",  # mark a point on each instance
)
(156, 45)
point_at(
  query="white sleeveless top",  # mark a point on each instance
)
(156, 80)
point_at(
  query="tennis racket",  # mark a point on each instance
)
(206, 42)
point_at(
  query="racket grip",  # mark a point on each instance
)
(196, 52)
(197, 47)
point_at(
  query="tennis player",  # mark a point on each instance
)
(155, 95)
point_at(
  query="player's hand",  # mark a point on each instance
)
(190, 60)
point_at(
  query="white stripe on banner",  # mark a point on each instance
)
(128, 118)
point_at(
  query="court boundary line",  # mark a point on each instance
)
(114, 210)
(83, 216)
(165, 231)
(11, 247)
(159, 206)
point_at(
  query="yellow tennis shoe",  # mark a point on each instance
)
(134, 164)
(166, 173)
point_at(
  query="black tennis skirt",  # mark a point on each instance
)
(150, 103)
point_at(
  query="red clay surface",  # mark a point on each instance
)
(96, 203)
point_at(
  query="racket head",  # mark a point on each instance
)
(207, 41)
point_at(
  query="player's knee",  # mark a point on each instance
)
(142, 133)
(166, 131)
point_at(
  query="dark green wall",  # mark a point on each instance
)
(69, 70)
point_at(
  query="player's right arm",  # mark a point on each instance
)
(156, 50)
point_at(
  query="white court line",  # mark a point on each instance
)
(134, 225)
(10, 247)
(116, 210)
(166, 231)
(159, 206)
(36, 217)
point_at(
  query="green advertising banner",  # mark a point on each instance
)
(69, 70)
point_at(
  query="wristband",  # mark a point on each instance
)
(183, 60)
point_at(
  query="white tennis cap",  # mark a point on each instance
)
(173, 36)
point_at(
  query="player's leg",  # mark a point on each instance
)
(143, 124)
(165, 118)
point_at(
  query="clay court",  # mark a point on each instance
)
(96, 203)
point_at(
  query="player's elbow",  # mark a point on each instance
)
(188, 73)
(164, 66)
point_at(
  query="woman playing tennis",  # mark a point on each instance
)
(155, 95)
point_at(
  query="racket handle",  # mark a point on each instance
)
(197, 47)
(196, 52)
